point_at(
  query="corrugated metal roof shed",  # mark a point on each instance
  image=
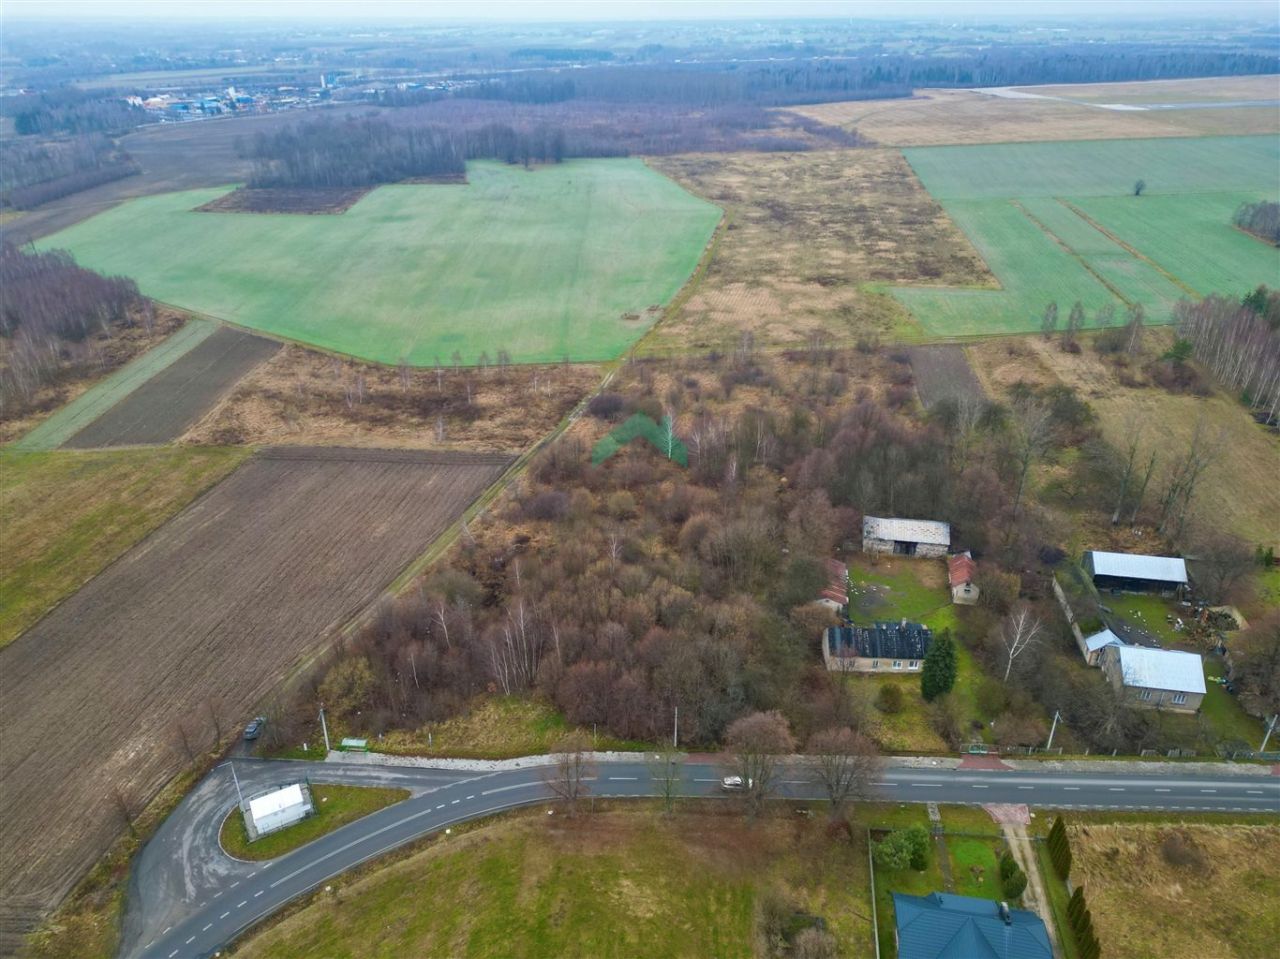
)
(1163, 569)
(907, 530)
(1162, 669)
(1098, 640)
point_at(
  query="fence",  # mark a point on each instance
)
(990, 749)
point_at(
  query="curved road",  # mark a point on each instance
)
(189, 899)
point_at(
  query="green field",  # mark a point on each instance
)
(543, 264)
(1058, 222)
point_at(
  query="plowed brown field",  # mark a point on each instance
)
(200, 619)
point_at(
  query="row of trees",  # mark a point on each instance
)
(1238, 344)
(49, 310)
(70, 110)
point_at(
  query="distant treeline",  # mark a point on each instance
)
(871, 75)
(353, 153)
(50, 308)
(1260, 219)
(69, 110)
(34, 172)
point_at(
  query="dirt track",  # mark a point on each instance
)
(162, 408)
(942, 372)
(208, 612)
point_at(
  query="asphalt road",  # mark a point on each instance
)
(204, 899)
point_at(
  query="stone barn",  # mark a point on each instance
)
(905, 537)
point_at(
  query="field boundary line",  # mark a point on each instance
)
(1071, 252)
(107, 393)
(1131, 250)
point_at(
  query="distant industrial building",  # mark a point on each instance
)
(1136, 573)
(884, 647)
(905, 537)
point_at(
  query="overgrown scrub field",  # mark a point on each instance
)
(303, 397)
(559, 262)
(806, 236)
(1240, 492)
(191, 629)
(1059, 222)
(935, 117)
(65, 516)
(624, 883)
(1181, 892)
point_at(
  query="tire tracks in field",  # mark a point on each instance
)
(1070, 251)
(1131, 250)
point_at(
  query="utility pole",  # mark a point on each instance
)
(1056, 715)
(325, 729)
(235, 779)
(675, 729)
(1270, 729)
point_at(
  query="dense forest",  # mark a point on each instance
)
(70, 110)
(355, 153)
(1240, 343)
(51, 310)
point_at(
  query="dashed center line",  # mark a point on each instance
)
(622, 779)
(207, 928)
(1072, 788)
(258, 893)
(1115, 789)
(979, 786)
(1162, 790)
(225, 914)
(874, 784)
(1208, 790)
(241, 905)
(455, 802)
(1026, 787)
(190, 941)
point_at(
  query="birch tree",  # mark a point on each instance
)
(1020, 631)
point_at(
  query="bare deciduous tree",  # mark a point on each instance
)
(1020, 631)
(758, 741)
(1222, 561)
(845, 764)
(666, 767)
(571, 770)
(1031, 431)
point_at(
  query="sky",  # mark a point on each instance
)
(598, 10)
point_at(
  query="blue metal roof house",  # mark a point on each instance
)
(943, 926)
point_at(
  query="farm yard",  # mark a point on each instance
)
(208, 612)
(561, 262)
(808, 239)
(1058, 222)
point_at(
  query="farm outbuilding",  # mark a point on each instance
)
(905, 537)
(1136, 573)
(835, 593)
(962, 573)
(1092, 646)
(1163, 678)
(272, 811)
(884, 647)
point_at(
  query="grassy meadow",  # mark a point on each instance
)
(545, 264)
(67, 515)
(335, 807)
(1059, 222)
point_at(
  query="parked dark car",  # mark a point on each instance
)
(254, 729)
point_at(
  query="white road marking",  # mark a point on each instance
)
(258, 893)
(166, 930)
(1208, 790)
(979, 786)
(1255, 792)
(1026, 787)
(236, 883)
(931, 785)
(441, 806)
(225, 914)
(612, 779)
(697, 781)
(172, 954)
(874, 784)
(217, 894)
(469, 798)
(1115, 789)
(502, 789)
(455, 802)
(207, 928)
(241, 905)
(1159, 790)
(190, 941)
(1072, 788)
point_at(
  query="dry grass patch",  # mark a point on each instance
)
(1181, 892)
(1189, 90)
(623, 883)
(936, 117)
(304, 398)
(806, 238)
(1239, 491)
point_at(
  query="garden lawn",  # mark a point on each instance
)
(335, 806)
(1223, 712)
(66, 515)
(624, 883)
(1058, 222)
(546, 264)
